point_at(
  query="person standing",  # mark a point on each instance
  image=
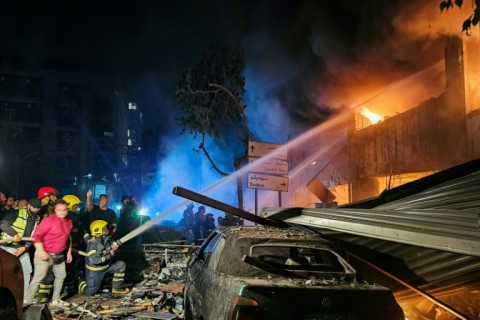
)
(199, 228)
(50, 241)
(77, 266)
(101, 212)
(22, 203)
(17, 225)
(209, 224)
(9, 206)
(3, 200)
(48, 197)
(188, 224)
(125, 211)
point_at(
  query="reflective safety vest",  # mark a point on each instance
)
(20, 223)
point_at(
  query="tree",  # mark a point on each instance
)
(472, 20)
(211, 97)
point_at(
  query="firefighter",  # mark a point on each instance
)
(48, 196)
(101, 251)
(75, 268)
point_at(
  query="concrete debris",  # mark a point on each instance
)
(158, 296)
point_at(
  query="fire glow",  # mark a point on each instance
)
(373, 117)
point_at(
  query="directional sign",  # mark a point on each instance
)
(265, 165)
(259, 149)
(267, 182)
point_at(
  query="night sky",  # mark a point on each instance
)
(313, 48)
(302, 57)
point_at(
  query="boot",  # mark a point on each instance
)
(120, 291)
(82, 286)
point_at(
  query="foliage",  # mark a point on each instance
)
(472, 20)
(211, 98)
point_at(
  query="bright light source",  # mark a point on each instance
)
(119, 207)
(371, 116)
(143, 212)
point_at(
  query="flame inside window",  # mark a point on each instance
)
(371, 116)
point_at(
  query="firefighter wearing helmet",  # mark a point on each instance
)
(72, 201)
(101, 260)
(48, 197)
(77, 266)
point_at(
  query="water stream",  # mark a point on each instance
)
(318, 144)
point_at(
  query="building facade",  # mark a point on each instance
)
(440, 132)
(71, 130)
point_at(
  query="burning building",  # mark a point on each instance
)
(384, 152)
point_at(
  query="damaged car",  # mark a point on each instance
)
(11, 286)
(263, 272)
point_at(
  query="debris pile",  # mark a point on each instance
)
(157, 296)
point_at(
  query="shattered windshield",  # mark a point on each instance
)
(296, 258)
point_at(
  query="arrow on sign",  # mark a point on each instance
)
(267, 182)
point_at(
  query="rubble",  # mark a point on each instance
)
(158, 296)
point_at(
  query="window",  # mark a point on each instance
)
(214, 257)
(8, 114)
(132, 106)
(297, 258)
(208, 249)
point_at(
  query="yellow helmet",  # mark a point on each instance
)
(71, 200)
(96, 227)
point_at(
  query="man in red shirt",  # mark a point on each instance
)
(50, 241)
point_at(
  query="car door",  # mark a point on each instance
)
(198, 280)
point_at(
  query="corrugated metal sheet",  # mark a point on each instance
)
(425, 232)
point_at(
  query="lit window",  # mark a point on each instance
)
(128, 133)
(132, 106)
(129, 142)
(108, 134)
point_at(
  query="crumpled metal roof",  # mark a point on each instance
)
(425, 232)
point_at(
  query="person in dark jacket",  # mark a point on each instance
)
(16, 225)
(99, 262)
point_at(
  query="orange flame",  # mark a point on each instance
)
(372, 116)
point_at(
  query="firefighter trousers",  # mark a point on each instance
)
(94, 278)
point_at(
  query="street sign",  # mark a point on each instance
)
(275, 166)
(267, 182)
(260, 149)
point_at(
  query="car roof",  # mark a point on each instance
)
(239, 240)
(262, 232)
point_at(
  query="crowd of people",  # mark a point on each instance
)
(195, 227)
(66, 251)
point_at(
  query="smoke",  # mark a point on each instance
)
(305, 62)
(333, 55)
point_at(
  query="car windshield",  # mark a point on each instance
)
(296, 258)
